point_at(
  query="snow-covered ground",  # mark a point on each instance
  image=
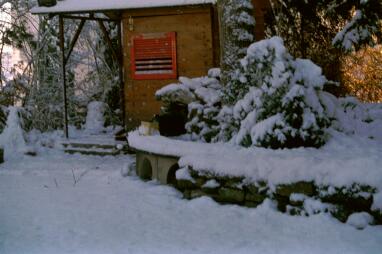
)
(43, 211)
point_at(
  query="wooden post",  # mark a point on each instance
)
(63, 73)
(121, 77)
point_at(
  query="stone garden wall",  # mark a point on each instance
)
(300, 198)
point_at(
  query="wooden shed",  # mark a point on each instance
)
(160, 41)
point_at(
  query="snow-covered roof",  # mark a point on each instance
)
(67, 6)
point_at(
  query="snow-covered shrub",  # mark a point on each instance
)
(202, 96)
(278, 103)
(13, 137)
(353, 117)
(281, 105)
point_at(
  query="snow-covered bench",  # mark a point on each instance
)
(151, 161)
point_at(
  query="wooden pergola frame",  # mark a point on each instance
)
(116, 53)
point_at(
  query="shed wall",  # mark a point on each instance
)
(195, 53)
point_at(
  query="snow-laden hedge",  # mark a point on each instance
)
(279, 101)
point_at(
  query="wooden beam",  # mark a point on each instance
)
(91, 17)
(113, 15)
(74, 41)
(63, 73)
(166, 11)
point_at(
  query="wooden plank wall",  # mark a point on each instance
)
(196, 53)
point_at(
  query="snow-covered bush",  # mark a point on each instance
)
(353, 117)
(202, 96)
(281, 106)
(278, 101)
(13, 137)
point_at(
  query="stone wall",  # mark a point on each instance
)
(300, 198)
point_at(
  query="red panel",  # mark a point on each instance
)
(153, 56)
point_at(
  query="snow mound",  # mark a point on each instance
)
(360, 220)
(128, 169)
(95, 120)
(12, 139)
(211, 184)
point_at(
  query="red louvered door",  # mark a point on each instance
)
(153, 56)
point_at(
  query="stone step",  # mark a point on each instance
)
(89, 146)
(101, 145)
(97, 152)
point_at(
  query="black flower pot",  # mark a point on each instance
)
(47, 3)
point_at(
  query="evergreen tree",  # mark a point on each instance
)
(282, 107)
(237, 32)
(323, 30)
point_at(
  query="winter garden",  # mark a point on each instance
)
(277, 151)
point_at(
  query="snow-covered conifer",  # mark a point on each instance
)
(237, 25)
(282, 107)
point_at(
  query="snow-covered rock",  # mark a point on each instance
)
(360, 220)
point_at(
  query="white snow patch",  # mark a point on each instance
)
(184, 174)
(211, 184)
(95, 120)
(377, 201)
(297, 197)
(12, 139)
(360, 220)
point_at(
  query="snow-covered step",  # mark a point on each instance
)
(94, 151)
(101, 147)
(103, 144)
(89, 146)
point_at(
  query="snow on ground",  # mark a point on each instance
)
(42, 211)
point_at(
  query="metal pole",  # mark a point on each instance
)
(121, 78)
(63, 62)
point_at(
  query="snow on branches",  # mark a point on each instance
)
(364, 25)
(280, 103)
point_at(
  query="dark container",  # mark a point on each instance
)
(47, 3)
(1, 155)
